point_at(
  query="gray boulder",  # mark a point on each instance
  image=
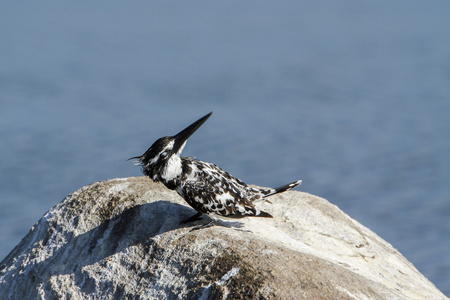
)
(121, 238)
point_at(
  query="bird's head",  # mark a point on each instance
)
(162, 158)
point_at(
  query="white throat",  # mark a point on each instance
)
(173, 168)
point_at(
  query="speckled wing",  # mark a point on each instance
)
(215, 191)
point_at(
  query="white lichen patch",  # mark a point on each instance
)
(228, 275)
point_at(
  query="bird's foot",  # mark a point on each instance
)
(209, 224)
(195, 217)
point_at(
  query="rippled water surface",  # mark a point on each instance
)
(353, 98)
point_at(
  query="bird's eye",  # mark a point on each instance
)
(164, 154)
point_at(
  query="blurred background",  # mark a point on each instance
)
(352, 97)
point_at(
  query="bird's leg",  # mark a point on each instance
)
(209, 224)
(193, 218)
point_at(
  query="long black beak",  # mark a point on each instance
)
(182, 136)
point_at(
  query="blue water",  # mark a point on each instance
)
(352, 97)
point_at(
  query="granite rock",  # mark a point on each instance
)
(122, 238)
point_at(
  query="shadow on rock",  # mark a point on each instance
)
(137, 225)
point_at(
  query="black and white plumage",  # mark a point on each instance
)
(205, 187)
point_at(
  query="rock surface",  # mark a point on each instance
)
(121, 238)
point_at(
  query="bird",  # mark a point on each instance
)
(204, 186)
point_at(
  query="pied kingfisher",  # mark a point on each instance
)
(205, 187)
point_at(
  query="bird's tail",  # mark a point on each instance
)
(285, 187)
(269, 192)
